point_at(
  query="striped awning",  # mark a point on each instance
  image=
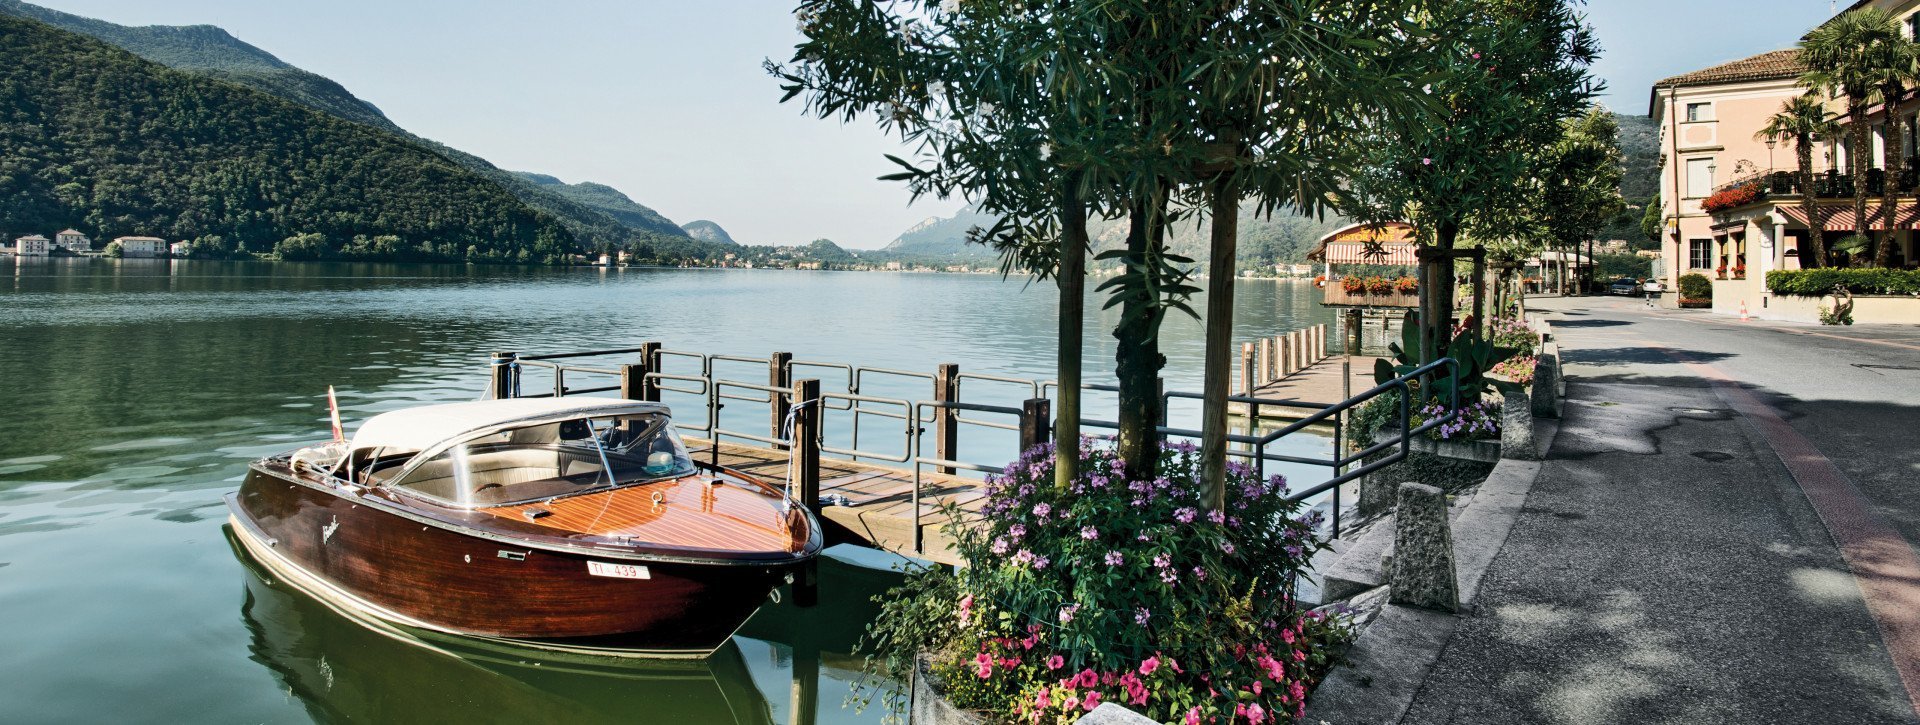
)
(1840, 219)
(1391, 243)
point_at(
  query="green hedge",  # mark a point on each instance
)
(1817, 282)
(1695, 287)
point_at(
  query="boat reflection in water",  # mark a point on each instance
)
(348, 667)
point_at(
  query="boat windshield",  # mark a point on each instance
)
(551, 459)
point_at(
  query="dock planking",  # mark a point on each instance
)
(1319, 383)
(879, 508)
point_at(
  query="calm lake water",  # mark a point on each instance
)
(136, 392)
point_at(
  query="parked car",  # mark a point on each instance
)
(1625, 286)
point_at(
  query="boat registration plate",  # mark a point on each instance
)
(618, 571)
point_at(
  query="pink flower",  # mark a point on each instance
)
(1042, 510)
(1091, 701)
(1089, 533)
(1193, 716)
(1042, 701)
(983, 665)
(1141, 615)
(966, 607)
(1286, 635)
(1056, 662)
(1148, 665)
(1115, 558)
(1067, 612)
(1087, 678)
(1426, 162)
(1184, 514)
(1255, 715)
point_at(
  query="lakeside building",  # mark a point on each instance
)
(32, 245)
(1731, 201)
(178, 249)
(73, 241)
(139, 247)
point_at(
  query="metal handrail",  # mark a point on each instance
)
(1034, 385)
(853, 400)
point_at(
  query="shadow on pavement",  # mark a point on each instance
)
(1591, 323)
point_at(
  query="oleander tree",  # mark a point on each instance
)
(1577, 179)
(1804, 121)
(1045, 113)
(1506, 73)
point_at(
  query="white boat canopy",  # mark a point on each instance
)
(425, 427)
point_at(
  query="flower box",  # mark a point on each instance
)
(1693, 304)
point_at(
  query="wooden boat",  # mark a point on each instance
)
(573, 524)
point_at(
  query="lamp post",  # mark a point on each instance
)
(1770, 143)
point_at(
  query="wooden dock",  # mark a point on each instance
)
(879, 500)
(1319, 382)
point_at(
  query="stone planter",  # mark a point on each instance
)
(929, 705)
(1695, 304)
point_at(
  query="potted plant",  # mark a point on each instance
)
(1353, 285)
(1406, 285)
(1696, 290)
(1379, 286)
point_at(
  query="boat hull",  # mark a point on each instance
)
(415, 573)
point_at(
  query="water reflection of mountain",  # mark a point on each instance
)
(345, 671)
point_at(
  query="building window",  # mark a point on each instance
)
(1699, 254)
(1699, 112)
(1913, 26)
(1699, 177)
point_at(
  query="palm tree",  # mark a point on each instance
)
(1804, 121)
(1847, 57)
(1898, 63)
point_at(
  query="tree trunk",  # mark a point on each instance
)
(1436, 297)
(1809, 202)
(1883, 252)
(1857, 161)
(1219, 344)
(1072, 279)
(1137, 357)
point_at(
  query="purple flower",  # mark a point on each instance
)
(1226, 547)
(1141, 615)
(1067, 612)
(1184, 514)
(1016, 531)
(1042, 510)
(1200, 573)
(1115, 558)
(1162, 560)
(1089, 533)
(1040, 563)
(1218, 517)
(999, 546)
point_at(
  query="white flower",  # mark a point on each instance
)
(949, 6)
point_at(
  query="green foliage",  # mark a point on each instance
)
(1853, 245)
(1650, 222)
(1623, 265)
(1475, 359)
(1695, 286)
(1118, 586)
(100, 138)
(1820, 282)
(1376, 413)
(1843, 316)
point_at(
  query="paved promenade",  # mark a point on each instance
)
(1722, 533)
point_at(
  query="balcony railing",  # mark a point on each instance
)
(1829, 184)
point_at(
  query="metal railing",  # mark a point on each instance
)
(646, 378)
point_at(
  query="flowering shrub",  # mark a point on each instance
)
(1477, 421)
(1353, 285)
(1734, 197)
(1513, 332)
(1379, 286)
(1123, 589)
(1518, 368)
(1406, 285)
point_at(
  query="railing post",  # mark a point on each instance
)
(1296, 344)
(1036, 423)
(1354, 324)
(631, 377)
(650, 360)
(779, 377)
(1246, 369)
(1284, 344)
(503, 373)
(1277, 359)
(946, 424)
(1263, 361)
(806, 473)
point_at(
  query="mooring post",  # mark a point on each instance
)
(1354, 323)
(806, 476)
(779, 377)
(504, 374)
(946, 423)
(1036, 423)
(1262, 361)
(1284, 344)
(1246, 369)
(649, 363)
(1299, 347)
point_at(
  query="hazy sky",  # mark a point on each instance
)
(666, 101)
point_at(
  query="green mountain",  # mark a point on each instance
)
(606, 200)
(98, 136)
(1640, 145)
(596, 215)
(208, 50)
(1263, 240)
(707, 231)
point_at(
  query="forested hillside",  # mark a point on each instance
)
(97, 137)
(591, 214)
(708, 231)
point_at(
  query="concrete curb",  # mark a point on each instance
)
(1388, 663)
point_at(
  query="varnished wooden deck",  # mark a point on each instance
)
(879, 510)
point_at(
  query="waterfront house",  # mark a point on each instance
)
(136, 247)
(178, 249)
(32, 245)
(1731, 202)
(73, 241)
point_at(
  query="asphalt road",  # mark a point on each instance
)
(1723, 533)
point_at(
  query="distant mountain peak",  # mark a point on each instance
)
(705, 230)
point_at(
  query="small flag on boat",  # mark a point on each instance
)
(333, 407)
